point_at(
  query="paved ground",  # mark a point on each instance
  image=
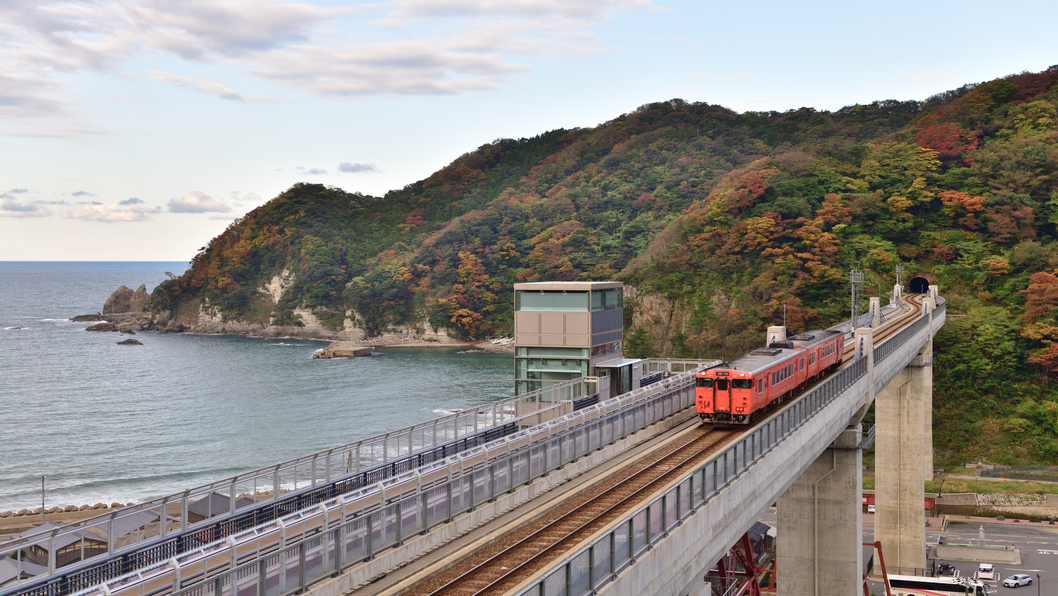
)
(1038, 545)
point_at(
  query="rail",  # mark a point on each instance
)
(285, 556)
(108, 549)
(384, 446)
(592, 567)
(595, 565)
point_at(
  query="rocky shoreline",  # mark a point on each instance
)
(125, 312)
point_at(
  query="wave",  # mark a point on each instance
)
(133, 489)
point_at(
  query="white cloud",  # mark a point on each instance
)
(207, 29)
(356, 168)
(127, 210)
(9, 207)
(414, 46)
(209, 88)
(240, 198)
(198, 202)
(536, 9)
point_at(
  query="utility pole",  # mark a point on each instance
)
(899, 275)
(42, 499)
(856, 277)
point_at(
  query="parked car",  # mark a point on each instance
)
(870, 509)
(1018, 579)
(986, 571)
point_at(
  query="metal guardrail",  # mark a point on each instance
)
(595, 565)
(289, 554)
(263, 495)
(592, 567)
(552, 394)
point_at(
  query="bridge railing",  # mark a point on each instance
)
(595, 565)
(249, 499)
(285, 556)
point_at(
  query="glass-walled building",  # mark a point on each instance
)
(564, 329)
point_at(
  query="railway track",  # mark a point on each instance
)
(891, 327)
(529, 548)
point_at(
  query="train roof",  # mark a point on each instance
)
(759, 360)
(762, 359)
(808, 339)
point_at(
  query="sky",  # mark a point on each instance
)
(137, 130)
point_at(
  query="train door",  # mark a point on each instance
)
(722, 395)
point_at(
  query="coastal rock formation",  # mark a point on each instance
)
(124, 300)
(343, 349)
(130, 342)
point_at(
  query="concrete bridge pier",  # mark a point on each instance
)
(820, 522)
(903, 461)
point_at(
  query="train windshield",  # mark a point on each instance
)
(742, 384)
(704, 382)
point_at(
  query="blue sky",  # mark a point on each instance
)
(139, 129)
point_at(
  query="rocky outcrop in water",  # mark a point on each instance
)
(125, 312)
(130, 342)
(124, 301)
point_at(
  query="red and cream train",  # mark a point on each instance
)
(733, 391)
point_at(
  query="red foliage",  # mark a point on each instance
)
(642, 200)
(1047, 359)
(1041, 297)
(1031, 84)
(949, 140)
(1008, 222)
(944, 253)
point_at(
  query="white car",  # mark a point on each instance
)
(1018, 579)
(986, 571)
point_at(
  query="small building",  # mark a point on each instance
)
(70, 547)
(89, 541)
(214, 504)
(564, 330)
(12, 570)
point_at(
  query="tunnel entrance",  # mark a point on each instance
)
(918, 285)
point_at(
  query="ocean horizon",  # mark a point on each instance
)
(113, 423)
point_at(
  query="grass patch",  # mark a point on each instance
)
(990, 487)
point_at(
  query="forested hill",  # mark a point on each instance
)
(724, 219)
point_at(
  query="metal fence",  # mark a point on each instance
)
(289, 554)
(595, 565)
(224, 557)
(162, 528)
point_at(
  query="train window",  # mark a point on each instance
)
(741, 383)
(721, 384)
(811, 359)
(705, 382)
(760, 385)
(802, 364)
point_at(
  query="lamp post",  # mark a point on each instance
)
(1037, 584)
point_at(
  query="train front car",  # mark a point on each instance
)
(730, 393)
(724, 395)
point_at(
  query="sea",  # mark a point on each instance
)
(102, 422)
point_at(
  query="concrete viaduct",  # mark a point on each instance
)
(805, 457)
(816, 481)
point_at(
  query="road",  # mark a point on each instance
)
(1038, 545)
